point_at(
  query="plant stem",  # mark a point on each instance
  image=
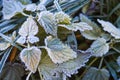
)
(87, 68)
(116, 49)
(101, 61)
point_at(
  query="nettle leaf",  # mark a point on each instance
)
(31, 57)
(62, 18)
(48, 69)
(29, 27)
(90, 34)
(48, 22)
(28, 31)
(99, 47)
(118, 60)
(51, 71)
(11, 7)
(12, 72)
(71, 67)
(81, 26)
(110, 28)
(96, 74)
(58, 51)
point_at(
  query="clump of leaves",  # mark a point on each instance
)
(34, 32)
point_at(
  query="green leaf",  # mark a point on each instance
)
(110, 28)
(31, 57)
(96, 74)
(12, 72)
(11, 7)
(48, 22)
(90, 34)
(58, 51)
(62, 18)
(99, 47)
(51, 71)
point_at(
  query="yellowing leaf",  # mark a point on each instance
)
(31, 57)
(11, 7)
(47, 21)
(100, 47)
(62, 18)
(58, 51)
(109, 27)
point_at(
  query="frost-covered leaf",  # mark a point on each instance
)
(109, 27)
(47, 21)
(28, 31)
(58, 51)
(11, 7)
(71, 67)
(41, 7)
(33, 39)
(118, 60)
(96, 74)
(12, 72)
(106, 36)
(90, 34)
(21, 40)
(4, 45)
(31, 7)
(81, 26)
(31, 57)
(62, 18)
(48, 69)
(29, 27)
(51, 71)
(100, 47)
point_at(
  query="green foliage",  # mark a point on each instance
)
(48, 37)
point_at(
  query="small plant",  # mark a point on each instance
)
(41, 40)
